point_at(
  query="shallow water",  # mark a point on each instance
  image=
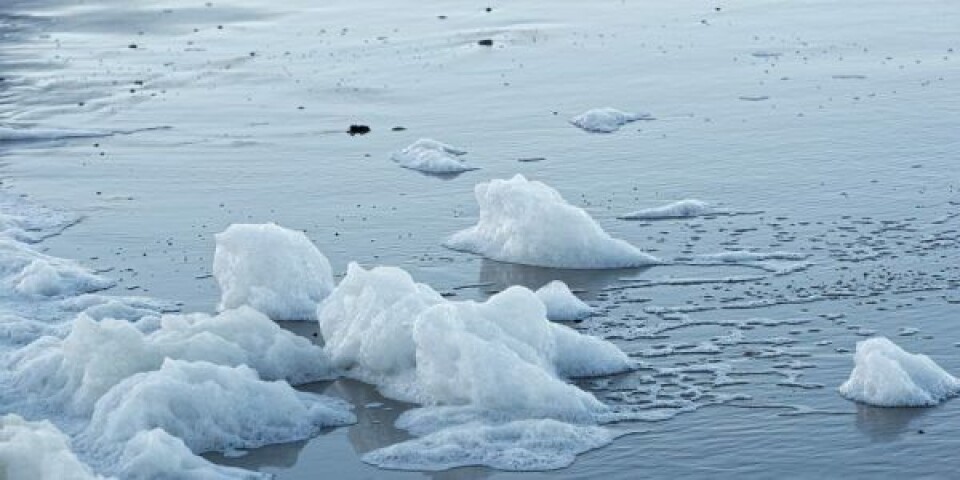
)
(826, 130)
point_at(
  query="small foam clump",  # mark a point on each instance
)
(885, 375)
(562, 305)
(275, 270)
(522, 445)
(688, 208)
(606, 120)
(431, 156)
(38, 451)
(527, 222)
(502, 354)
(211, 408)
(77, 370)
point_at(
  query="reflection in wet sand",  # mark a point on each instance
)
(496, 276)
(887, 424)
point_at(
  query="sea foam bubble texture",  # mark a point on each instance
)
(528, 222)
(430, 156)
(277, 271)
(129, 389)
(491, 375)
(885, 375)
(606, 120)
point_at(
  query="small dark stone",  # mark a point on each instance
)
(132, 45)
(486, 42)
(358, 130)
(921, 432)
(398, 129)
(442, 17)
(314, 334)
(488, 9)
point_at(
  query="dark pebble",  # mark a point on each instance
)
(486, 42)
(398, 129)
(358, 130)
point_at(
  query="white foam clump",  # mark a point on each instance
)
(606, 120)
(562, 305)
(77, 370)
(155, 454)
(528, 222)
(502, 354)
(682, 209)
(522, 445)
(38, 451)
(211, 408)
(885, 375)
(24, 271)
(431, 156)
(277, 271)
(490, 374)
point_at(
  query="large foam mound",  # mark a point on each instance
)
(606, 120)
(528, 222)
(683, 209)
(885, 375)
(155, 454)
(211, 408)
(274, 270)
(431, 156)
(562, 305)
(37, 451)
(76, 371)
(521, 445)
(502, 354)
